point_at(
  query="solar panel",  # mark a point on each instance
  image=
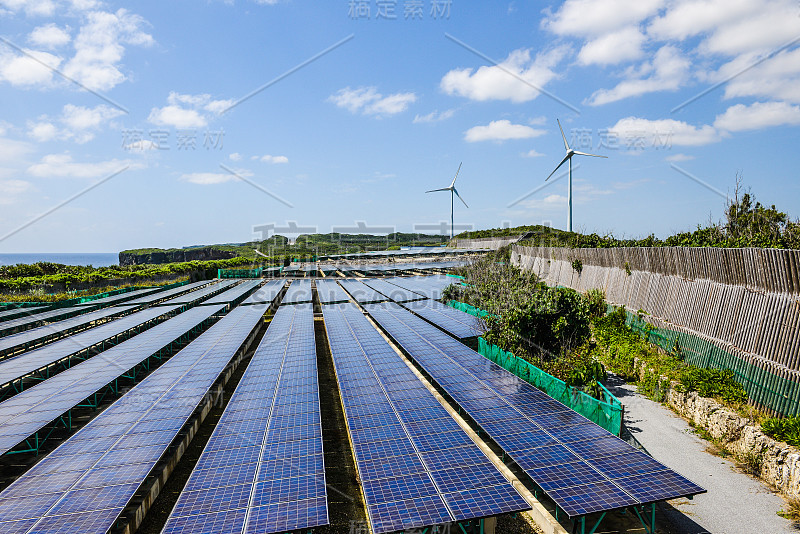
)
(299, 292)
(235, 294)
(207, 290)
(430, 286)
(330, 292)
(27, 412)
(169, 293)
(393, 292)
(403, 488)
(579, 465)
(43, 359)
(36, 336)
(361, 293)
(459, 324)
(109, 477)
(122, 297)
(267, 293)
(12, 312)
(26, 322)
(276, 482)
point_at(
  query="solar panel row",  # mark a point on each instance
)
(26, 322)
(361, 293)
(122, 297)
(417, 465)
(10, 313)
(206, 291)
(86, 483)
(459, 324)
(299, 292)
(169, 293)
(267, 293)
(31, 410)
(329, 292)
(581, 466)
(235, 294)
(36, 336)
(430, 286)
(393, 292)
(85, 343)
(262, 470)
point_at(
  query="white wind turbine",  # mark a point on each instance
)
(568, 158)
(452, 189)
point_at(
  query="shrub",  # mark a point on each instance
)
(783, 429)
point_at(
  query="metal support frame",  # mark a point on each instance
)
(651, 528)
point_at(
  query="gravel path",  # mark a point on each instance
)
(735, 503)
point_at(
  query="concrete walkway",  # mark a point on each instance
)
(735, 503)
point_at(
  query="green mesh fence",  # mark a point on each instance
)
(466, 308)
(763, 387)
(239, 273)
(607, 412)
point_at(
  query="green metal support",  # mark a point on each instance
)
(651, 528)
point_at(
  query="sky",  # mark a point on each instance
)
(169, 124)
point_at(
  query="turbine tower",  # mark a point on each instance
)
(568, 158)
(452, 189)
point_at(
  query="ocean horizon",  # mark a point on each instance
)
(95, 259)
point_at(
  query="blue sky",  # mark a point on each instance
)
(219, 122)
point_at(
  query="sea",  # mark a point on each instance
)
(101, 259)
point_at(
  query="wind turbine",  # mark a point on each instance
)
(452, 189)
(568, 158)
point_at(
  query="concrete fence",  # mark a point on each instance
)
(488, 243)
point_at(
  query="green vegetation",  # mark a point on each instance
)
(783, 429)
(17, 281)
(747, 223)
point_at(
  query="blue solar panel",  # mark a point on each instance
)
(393, 292)
(580, 466)
(299, 292)
(330, 292)
(361, 293)
(266, 451)
(235, 293)
(267, 293)
(456, 322)
(111, 468)
(391, 445)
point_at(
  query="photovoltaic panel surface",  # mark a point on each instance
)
(393, 292)
(122, 297)
(430, 286)
(330, 292)
(235, 293)
(205, 292)
(87, 481)
(262, 472)
(169, 293)
(596, 472)
(10, 313)
(267, 293)
(38, 335)
(29, 362)
(361, 293)
(459, 324)
(299, 292)
(27, 412)
(26, 322)
(411, 467)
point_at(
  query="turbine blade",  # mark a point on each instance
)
(566, 146)
(456, 176)
(459, 196)
(442, 189)
(585, 154)
(559, 165)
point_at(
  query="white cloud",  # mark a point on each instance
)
(208, 178)
(667, 72)
(274, 159)
(42, 8)
(613, 48)
(777, 78)
(99, 48)
(42, 131)
(501, 130)
(62, 166)
(532, 153)
(369, 101)
(758, 116)
(662, 133)
(10, 189)
(516, 79)
(35, 68)
(235, 157)
(596, 17)
(434, 116)
(143, 145)
(177, 117)
(676, 158)
(188, 111)
(49, 36)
